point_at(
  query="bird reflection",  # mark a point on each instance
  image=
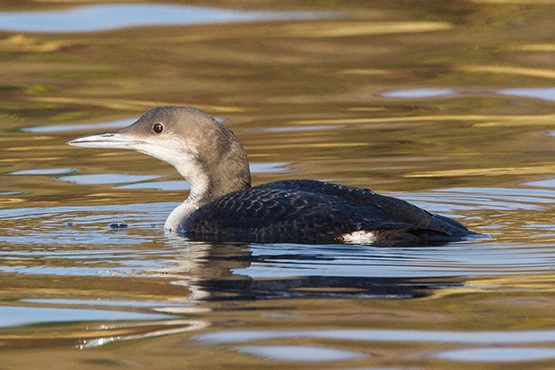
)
(241, 272)
(230, 276)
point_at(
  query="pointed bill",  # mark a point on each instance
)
(109, 140)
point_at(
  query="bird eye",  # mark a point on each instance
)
(158, 127)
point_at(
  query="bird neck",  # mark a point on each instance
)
(209, 181)
(180, 213)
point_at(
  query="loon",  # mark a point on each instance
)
(222, 205)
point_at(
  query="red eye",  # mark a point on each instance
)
(158, 127)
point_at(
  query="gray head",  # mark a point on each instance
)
(203, 151)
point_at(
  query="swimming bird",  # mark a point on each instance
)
(223, 206)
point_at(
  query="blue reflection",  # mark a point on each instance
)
(11, 316)
(44, 172)
(80, 126)
(112, 16)
(385, 335)
(511, 354)
(547, 93)
(106, 178)
(301, 353)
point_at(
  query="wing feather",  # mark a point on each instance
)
(312, 212)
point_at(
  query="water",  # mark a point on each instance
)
(448, 105)
(109, 16)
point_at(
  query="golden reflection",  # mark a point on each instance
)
(506, 285)
(530, 282)
(29, 148)
(101, 334)
(129, 104)
(489, 120)
(38, 159)
(515, 121)
(536, 47)
(11, 139)
(532, 72)
(308, 145)
(539, 169)
(367, 109)
(342, 29)
(369, 72)
(10, 201)
(24, 43)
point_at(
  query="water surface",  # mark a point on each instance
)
(87, 18)
(448, 105)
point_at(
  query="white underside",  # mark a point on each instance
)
(359, 237)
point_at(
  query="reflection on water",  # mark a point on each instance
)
(419, 93)
(538, 93)
(103, 335)
(159, 185)
(509, 354)
(549, 183)
(493, 354)
(82, 126)
(301, 128)
(110, 16)
(324, 287)
(105, 178)
(301, 353)
(490, 338)
(44, 171)
(445, 104)
(235, 276)
(20, 316)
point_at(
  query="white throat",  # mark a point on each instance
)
(198, 196)
(180, 213)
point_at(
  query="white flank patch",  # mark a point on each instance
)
(359, 237)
